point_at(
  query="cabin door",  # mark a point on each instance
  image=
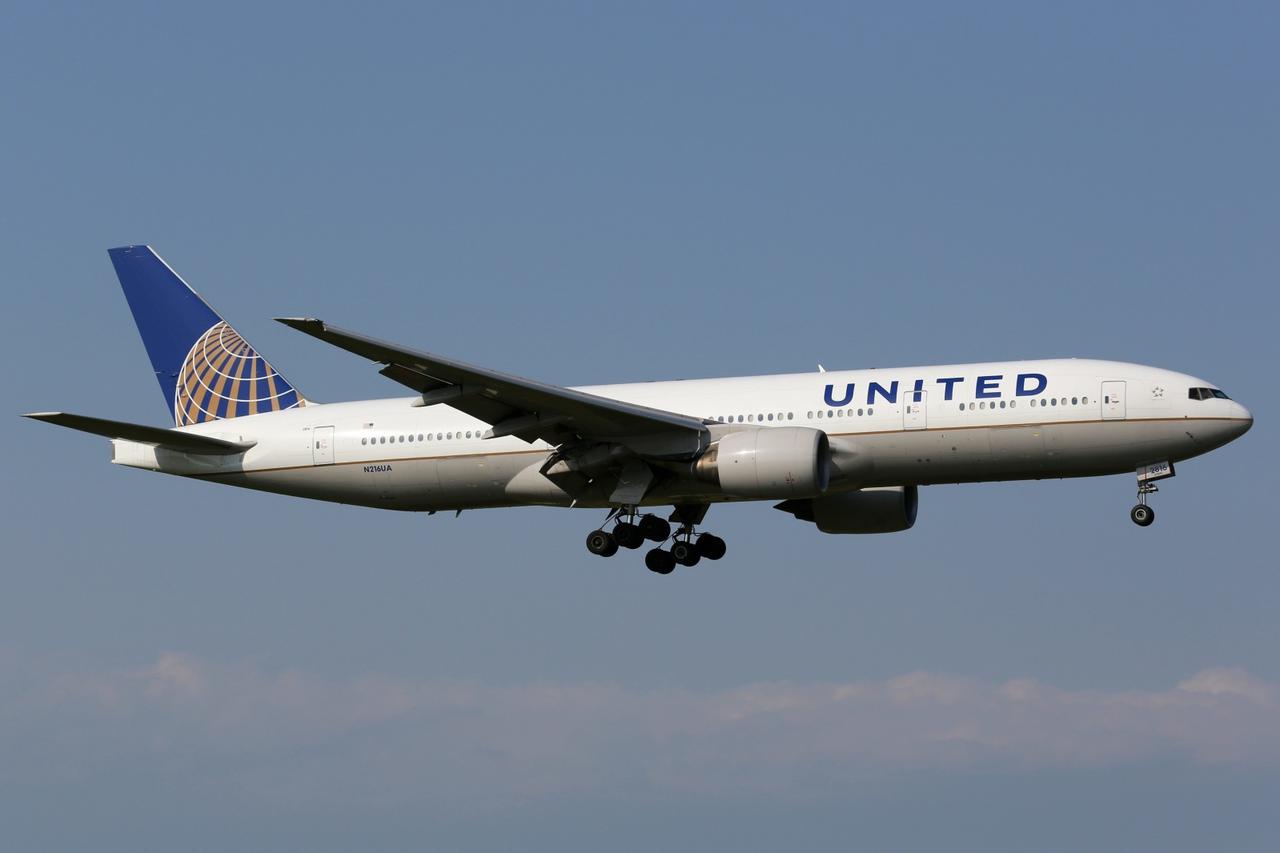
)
(913, 411)
(1113, 401)
(322, 445)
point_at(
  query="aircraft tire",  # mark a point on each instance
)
(660, 562)
(685, 553)
(1142, 515)
(711, 547)
(655, 529)
(601, 543)
(628, 535)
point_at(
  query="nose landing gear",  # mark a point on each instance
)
(1141, 514)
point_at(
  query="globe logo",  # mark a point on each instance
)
(224, 377)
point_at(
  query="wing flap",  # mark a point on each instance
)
(172, 439)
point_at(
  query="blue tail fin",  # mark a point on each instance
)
(206, 370)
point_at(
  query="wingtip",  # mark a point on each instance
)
(300, 322)
(40, 416)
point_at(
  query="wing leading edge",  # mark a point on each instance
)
(525, 408)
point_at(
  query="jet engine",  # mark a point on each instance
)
(772, 462)
(879, 510)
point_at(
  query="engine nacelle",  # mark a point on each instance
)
(879, 510)
(770, 462)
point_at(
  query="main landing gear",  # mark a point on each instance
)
(631, 531)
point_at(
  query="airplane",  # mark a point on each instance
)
(844, 450)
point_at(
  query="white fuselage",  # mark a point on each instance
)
(969, 423)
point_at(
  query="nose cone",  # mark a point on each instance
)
(1243, 420)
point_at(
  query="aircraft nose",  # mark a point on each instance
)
(1243, 420)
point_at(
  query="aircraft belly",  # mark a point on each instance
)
(1025, 452)
(480, 481)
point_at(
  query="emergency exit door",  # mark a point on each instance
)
(322, 445)
(1112, 401)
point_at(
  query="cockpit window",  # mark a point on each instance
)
(1206, 394)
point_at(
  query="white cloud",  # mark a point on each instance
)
(293, 737)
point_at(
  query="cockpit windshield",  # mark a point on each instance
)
(1207, 394)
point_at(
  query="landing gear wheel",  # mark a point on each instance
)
(685, 553)
(628, 535)
(601, 543)
(711, 547)
(1142, 515)
(660, 561)
(655, 529)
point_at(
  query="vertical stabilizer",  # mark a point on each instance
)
(206, 370)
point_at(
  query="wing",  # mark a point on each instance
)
(183, 442)
(525, 408)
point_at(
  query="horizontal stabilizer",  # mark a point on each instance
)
(171, 439)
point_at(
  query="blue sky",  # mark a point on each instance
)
(605, 192)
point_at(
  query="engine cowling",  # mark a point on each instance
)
(773, 462)
(879, 510)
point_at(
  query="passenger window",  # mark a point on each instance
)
(819, 414)
(811, 416)
(1075, 401)
(869, 412)
(1013, 403)
(1054, 401)
(364, 441)
(419, 436)
(449, 436)
(839, 413)
(771, 416)
(1002, 404)
(790, 416)
(859, 412)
